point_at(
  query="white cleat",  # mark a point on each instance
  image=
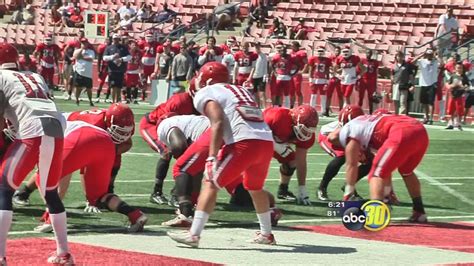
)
(65, 259)
(263, 239)
(179, 221)
(45, 227)
(184, 237)
(139, 224)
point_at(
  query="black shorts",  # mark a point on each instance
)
(428, 94)
(116, 79)
(258, 84)
(469, 100)
(82, 82)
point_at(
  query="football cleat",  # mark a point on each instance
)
(20, 200)
(263, 239)
(418, 217)
(392, 199)
(179, 221)
(275, 215)
(185, 237)
(158, 198)
(46, 226)
(65, 259)
(286, 195)
(459, 128)
(323, 195)
(450, 127)
(352, 197)
(138, 224)
(173, 201)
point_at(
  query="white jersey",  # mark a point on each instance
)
(244, 118)
(192, 126)
(72, 126)
(27, 97)
(328, 128)
(360, 129)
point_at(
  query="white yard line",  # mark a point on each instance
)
(153, 154)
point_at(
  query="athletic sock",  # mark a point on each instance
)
(186, 208)
(199, 221)
(386, 191)
(323, 102)
(59, 222)
(125, 209)
(286, 101)
(162, 167)
(265, 221)
(5, 223)
(418, 205)
(349, 190)
(312, 101)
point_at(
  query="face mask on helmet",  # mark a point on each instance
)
(321, 52)
(305, 120)
(303, 133)
(120, 134)
(48, 41)
(120, 121)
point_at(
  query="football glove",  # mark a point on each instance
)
(211, 168)
(282, 149)
(91, 208)
(303, 198)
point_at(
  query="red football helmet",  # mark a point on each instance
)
(192, 87)
(381, 111)
(8, 56)
(349, 112)
(215, 71)
(120, 122)
(305, 120)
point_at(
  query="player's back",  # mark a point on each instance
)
(93, 117)
(387, 123)
(279, 121)
(73, 126)
(27, 96)
(245, 118)
(180, 103)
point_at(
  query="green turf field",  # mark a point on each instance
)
(447, 177)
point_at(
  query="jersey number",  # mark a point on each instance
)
(31, 92)
(246, 105)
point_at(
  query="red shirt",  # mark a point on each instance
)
(149, 52)
(245, 61)
(94, 117)
(301, 27)
(321, 66)
(300, 58)
(47, 54)
(280, 122)
(210, 58)
(181, 104)
(450, 66)
(134, 64)
(372, 66)
(283, 64)
(225, 49)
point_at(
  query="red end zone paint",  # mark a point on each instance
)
(35, 251)
(452, 236)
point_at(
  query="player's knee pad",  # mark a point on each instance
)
(54, 203)
(6, 194)
(184, 185)
(287, 169)
(178, 148)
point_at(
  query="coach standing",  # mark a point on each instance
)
(117, 55)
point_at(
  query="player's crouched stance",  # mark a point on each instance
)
(39, 142)
(400, 141)
(235, 118)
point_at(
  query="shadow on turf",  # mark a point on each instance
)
(305, 248)
(454, 226)
(409, 204)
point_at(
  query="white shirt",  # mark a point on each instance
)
(261, 66)
(24, 111)
(449, 24)
(84, 67)
(192, 126)
(229, 61)
(428, 72)
(231, 98)
(360, 128)
(328, 128)
(124, 10)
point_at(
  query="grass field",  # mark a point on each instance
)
(446, 173)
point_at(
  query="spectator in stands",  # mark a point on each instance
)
(178, 28)
(299, 32)
(163, 63)
(117, 56)
(83, 69)
(210, 52)
(145, 13)
(125, 24)
(56, 18)
(24, 16)
(248, 29)
(277, 30)
(457, 84)
(225, 15)
(49, 4)
(447, 23)
(259, 14)
(403, 80)
(260, 76)
(165, 15)
(429, 67)
(229, 61)
(76, 20)
(181, 68)
(193, 53)
(127, 9)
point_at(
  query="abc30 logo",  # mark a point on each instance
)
(374, 215)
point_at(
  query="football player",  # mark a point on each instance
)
(368, 82)
(318, 68)
(297, 127)
(92, 150)
(103, 69)
(210, 52)
(334, 83)
(401, 143)
(181, 104)
(237, 122)
(300, 59)
(281, 66)
(150, 49)
(39, 141)
(346, 65)
(244, 65)
(48, 54)
(117, 120)
(132, 78)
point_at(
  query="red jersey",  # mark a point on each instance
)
(94, 117)
(180, 103)
(301, 27)
(133, 66)
(225, 49)
(348, 65)
(280, 122)
(450, 66)
(245, 61)
(300, 58)
(283, 65)
(385, 124)
(149, 53)
(371, 66)
(217, 49)
(321, 66)
(47, 54)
